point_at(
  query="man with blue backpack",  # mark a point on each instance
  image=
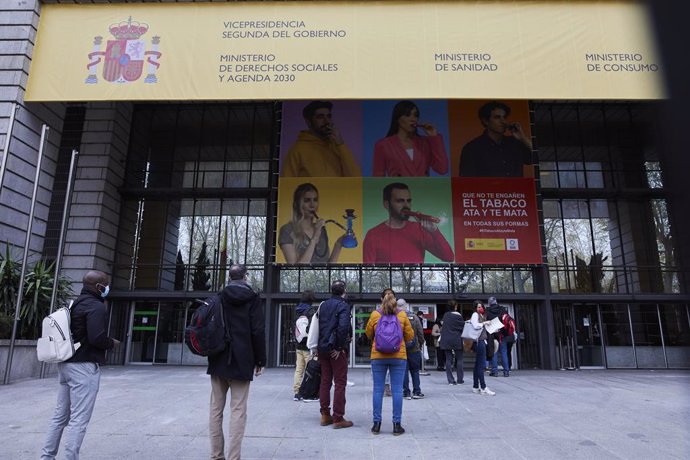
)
(335, 334)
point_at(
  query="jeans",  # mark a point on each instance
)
(412, 366)
(479, 365)
(302, 358)
(79, 383)
(458, 352)
(239, 393)
(396, 368)
(333, 371)
(503, 351)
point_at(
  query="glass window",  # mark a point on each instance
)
(647, 336)
(675, 323)
(617, 336)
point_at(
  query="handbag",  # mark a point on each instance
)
(470, 333)
(425, 352)
(313, 336)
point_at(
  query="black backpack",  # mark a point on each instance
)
(311, 382)
(207, 334)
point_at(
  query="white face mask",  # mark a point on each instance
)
(105, 292)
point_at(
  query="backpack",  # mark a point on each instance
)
(508, 324)
(207, 334)
(56, 344)
(388, 334)
(311, 381)
(303, 320)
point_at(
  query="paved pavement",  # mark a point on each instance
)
(159, 412)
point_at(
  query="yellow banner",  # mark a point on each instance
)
(345, 50)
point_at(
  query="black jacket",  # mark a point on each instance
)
(244, 316)
(451, 335)
(335, 327)
(495, 311)
(89, 327)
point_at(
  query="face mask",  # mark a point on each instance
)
(105, 292)
(480, 310)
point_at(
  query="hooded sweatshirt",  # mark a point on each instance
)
(312, 156)
(245, 319)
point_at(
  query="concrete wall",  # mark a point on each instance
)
(17, 35)
(95, 214)
(24, 363)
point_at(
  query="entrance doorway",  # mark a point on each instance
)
(158, 333)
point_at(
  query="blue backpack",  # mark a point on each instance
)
(388, 335)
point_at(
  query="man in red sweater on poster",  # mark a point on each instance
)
(397, 240)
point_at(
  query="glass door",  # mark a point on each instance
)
(360, 350)
(144, 322)
(588, 336)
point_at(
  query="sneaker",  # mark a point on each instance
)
(407, 396)
(297, 397)
(418, 396)
(506, 374)
(308, 400)
(487, 392)
(461, 382)
(476, 390)
(493, 374)
(452, 383)
(350, 384)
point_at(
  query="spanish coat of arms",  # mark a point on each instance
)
(125, 55)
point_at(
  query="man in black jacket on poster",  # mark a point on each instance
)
(80, 376)
(234, 368)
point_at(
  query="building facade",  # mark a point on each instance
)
(168, 192)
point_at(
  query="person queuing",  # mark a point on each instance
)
(414, 354)
(335, 335)
(305, 310)
(478, 321)
(393, 363)
(451, 342)
(440, 353)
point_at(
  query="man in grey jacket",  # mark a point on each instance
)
(414, 354)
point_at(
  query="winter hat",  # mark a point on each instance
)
(492, 301)
(402, 303)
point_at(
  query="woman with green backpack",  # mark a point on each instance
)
(389, 329)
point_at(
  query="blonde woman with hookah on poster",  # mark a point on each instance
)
(304, 239)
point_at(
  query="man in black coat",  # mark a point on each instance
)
(496, 311)
(80, 376)
(234, 368)
(335, 334)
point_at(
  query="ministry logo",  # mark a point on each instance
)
(125, 55)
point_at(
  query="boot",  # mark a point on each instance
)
(342, 424)
(376, 428)
(398, 429)
(326, 419)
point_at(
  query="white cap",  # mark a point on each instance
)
(402, 304)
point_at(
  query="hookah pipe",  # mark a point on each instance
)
(420, 216)
(350, 241)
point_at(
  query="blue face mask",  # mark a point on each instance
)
(105, 292)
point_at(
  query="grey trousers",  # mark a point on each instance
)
(239, 393)
(79, 383)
